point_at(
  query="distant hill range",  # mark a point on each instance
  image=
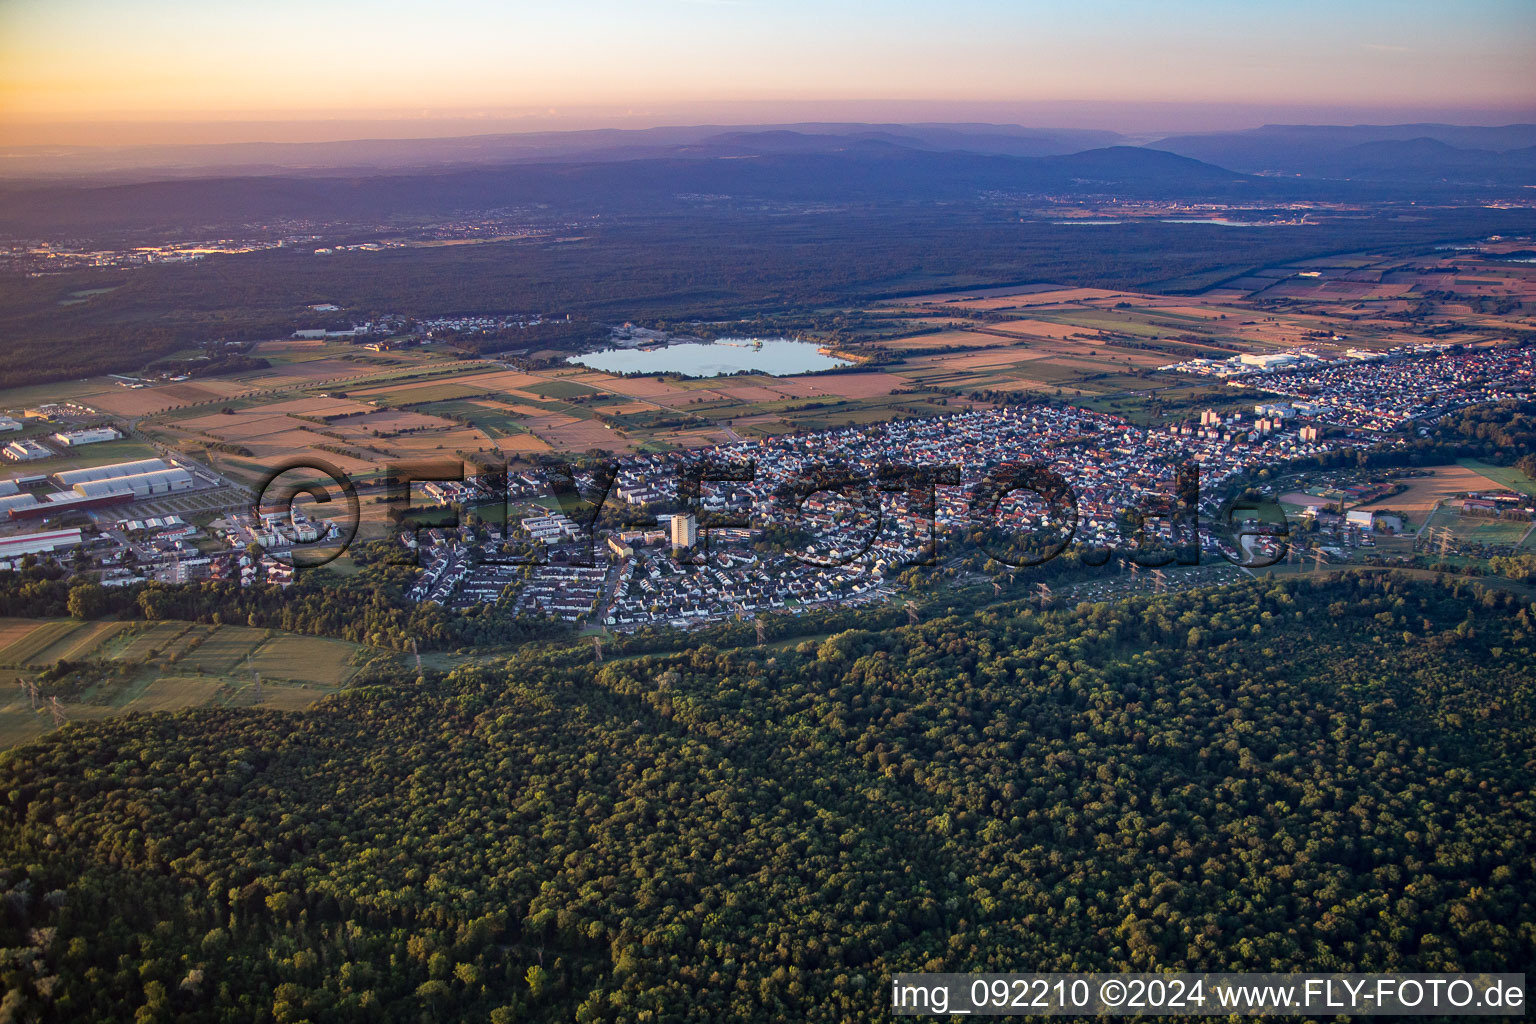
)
(1405, 153)
(751, 168)
(1458, 154)
(595, 144)
(661, 169)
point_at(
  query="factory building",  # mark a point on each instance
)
(65, 501)
(96, 487)
(70, 477)
(142, 485)
(1267, 360)
(91, 435)
(38, 543)
(15, 500)
(24, 450)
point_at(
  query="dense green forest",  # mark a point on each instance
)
(1328, 775)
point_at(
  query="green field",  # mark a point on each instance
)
(161, 641)
(1504, 476)
(1107, 320)
(22, 650)
(496, 423)
(560, 389)
(80, 643)
(850, 412)
(417, 396)
(164, 666)
(225, 651)
(1476, 530)
(171, 693)
(306, 659)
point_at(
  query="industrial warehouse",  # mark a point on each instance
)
(144, 478)
(95, 487)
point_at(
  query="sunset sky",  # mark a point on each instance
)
(70, 69)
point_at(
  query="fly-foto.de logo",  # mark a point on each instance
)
(1018, 514)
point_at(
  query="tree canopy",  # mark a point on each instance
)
(1330, 775)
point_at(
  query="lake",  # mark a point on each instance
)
(778, 357)
(1225, 223)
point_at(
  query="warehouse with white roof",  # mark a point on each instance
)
(90, 435)
(70, 477)
(38, 543)
(143, 485)
(10, 501)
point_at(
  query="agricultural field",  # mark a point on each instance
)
(164, 666)
(1426, 492)
(485, 414)
(305, 659)
(29, 644)
(561, 389)
(135, 402)
(1507, 477)
(424, 414)
(173, 693)
(161, 641)
(359, 410)
(82, 642)
(225, 650)
(961, 338)
(1479, 530)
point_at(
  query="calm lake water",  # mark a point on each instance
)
(1225, 223)
(779, 357)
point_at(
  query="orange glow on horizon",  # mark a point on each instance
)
(589, 62)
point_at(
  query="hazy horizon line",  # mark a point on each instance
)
(1133, 119)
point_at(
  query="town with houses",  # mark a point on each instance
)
(820, 521)
(37, 257)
